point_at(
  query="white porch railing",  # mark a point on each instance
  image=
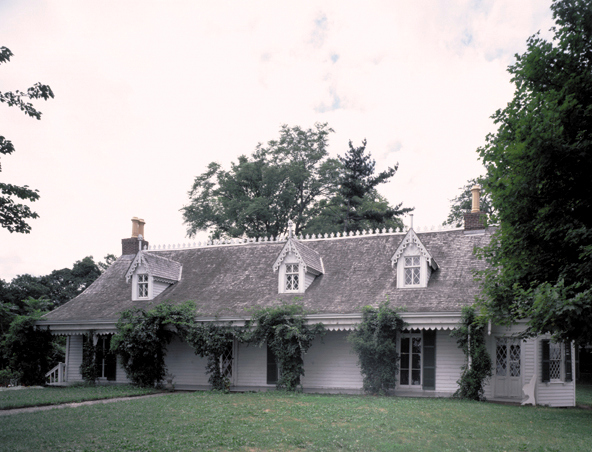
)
(57, 374)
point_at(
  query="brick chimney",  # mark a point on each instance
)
(475, 219)
(133, 244)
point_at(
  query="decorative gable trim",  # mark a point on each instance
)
(138, 260)
(292, 246)
(411, 238)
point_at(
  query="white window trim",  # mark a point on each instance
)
(412, 250)
(410, 386)
(291, 260)
(135, 282)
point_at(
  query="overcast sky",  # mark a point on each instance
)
(147, 93)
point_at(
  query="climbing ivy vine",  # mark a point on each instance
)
(88, 368)
(375, 342)
(287, 333)
(470, 337)
(215, 341)
(143, 335)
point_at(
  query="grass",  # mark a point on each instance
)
(52, 395)
(293, 422)
(584, 394)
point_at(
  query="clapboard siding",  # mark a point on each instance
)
(74, 359)
(449, 361)
(555, 394)
(187, 367)
(252, 366)
(158, 288)
(331, 364)
(308, 279)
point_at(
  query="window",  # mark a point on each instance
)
(143, 286)
(292, 275)
(412, 271)
(226, 361)
(556, 361)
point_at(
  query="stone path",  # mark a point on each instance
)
(33, 409)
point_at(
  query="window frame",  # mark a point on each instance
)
(415, 270)
(290, 274)
(414, 334)
(143, 282)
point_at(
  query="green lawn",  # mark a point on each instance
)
(292, 422)
(16, 398)
(584, 394)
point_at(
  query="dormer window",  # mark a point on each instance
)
(143, 286)
(150, 275)
(297, 265)
(412, 271)
(413, 263)
(292, 277)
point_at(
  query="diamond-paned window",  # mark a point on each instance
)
(292, 274)
(515, 359)
(412, 271)
(555, 361)
(226, 362)
(501, 353)
(143, 286)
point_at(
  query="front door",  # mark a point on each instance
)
(508, 375)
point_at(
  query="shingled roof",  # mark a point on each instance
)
(157, 266)
(227, 280)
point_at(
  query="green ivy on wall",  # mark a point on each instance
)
(285, 330)
(470, 337)
(375, 342)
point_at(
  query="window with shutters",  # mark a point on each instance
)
(556, 361)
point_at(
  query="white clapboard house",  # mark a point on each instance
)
(426, 275)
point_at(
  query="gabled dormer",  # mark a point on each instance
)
(297, 266)
(150, 275)
(413, 262)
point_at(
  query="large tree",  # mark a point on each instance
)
(13, 214)
(282, 180)
(538, 173)
(357, 205)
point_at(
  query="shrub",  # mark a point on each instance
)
(29, 351)
(375, 342)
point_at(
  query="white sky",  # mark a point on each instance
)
(149, 92)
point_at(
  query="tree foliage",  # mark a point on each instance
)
(285, 330)
(470, 337)
(282, 180)
(27, 350)
(463, 203)
(538, 173)
(13, 214)
(357, 205)
(143, 335)
(375, 342)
